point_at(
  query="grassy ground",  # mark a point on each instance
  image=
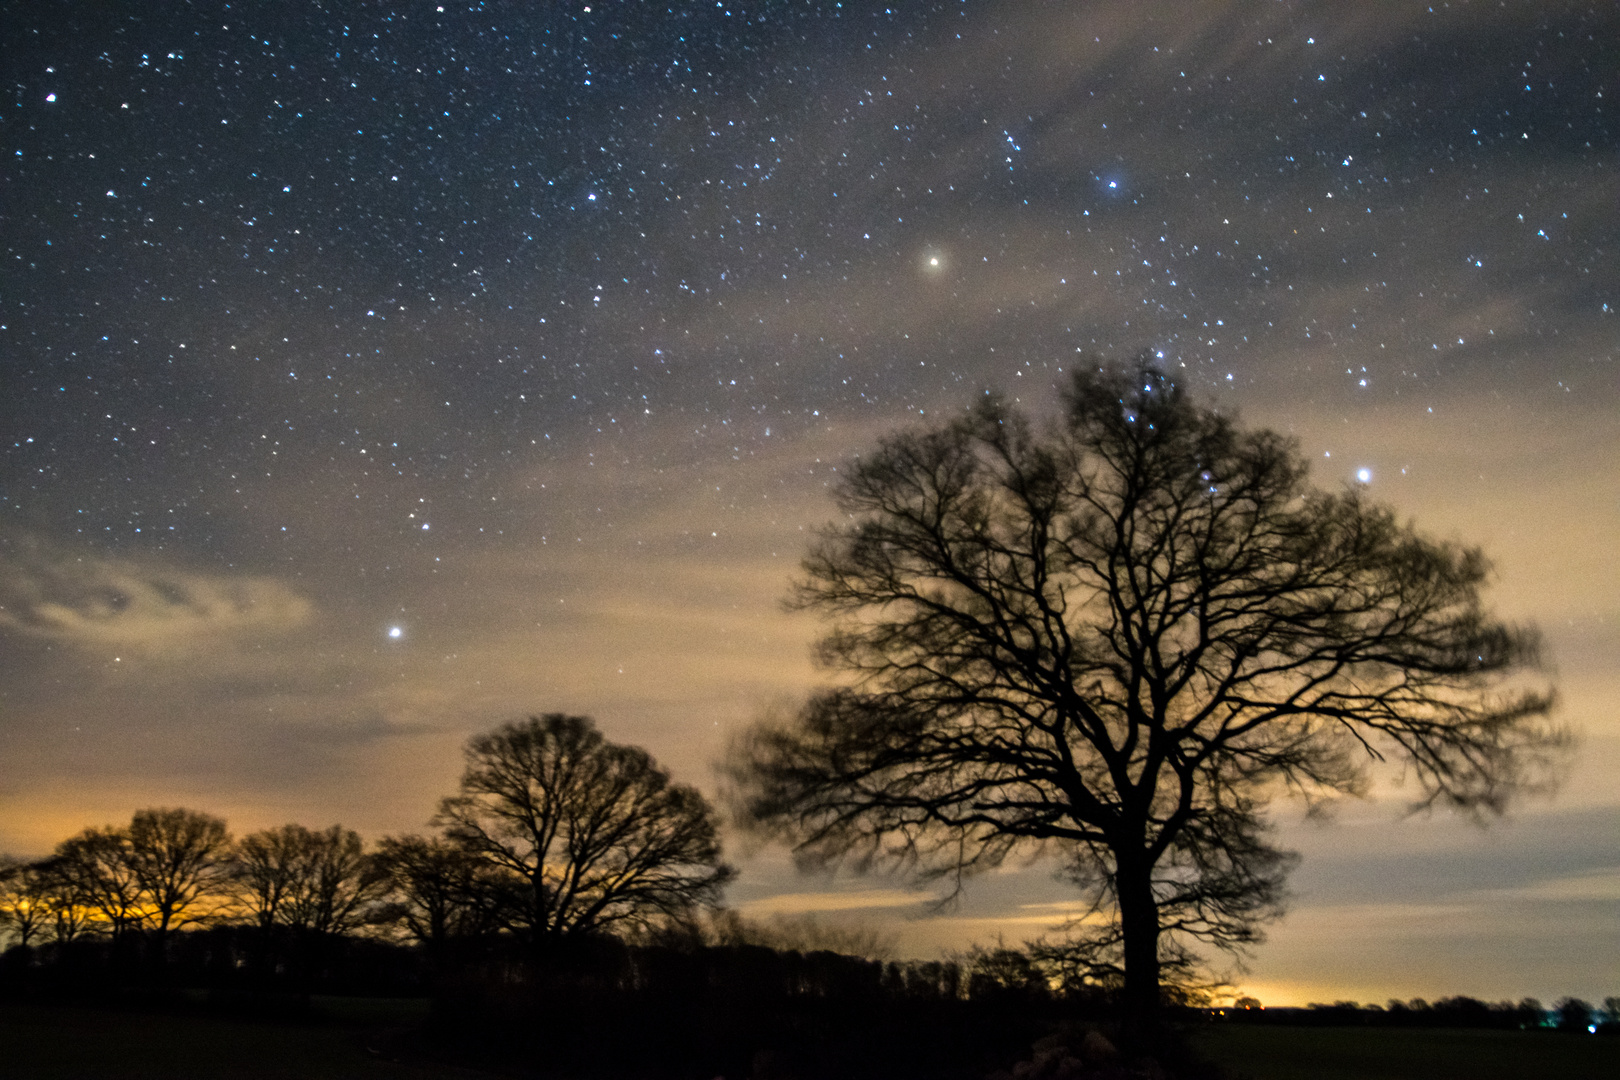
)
(1254, 1052)
(76, 1043)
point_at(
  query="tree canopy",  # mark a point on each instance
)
(1117, 637)
(316, 882)
(178, 857)
(594, 833)
(556, 835)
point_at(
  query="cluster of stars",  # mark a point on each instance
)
(460, 247)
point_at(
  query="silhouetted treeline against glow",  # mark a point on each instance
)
(1567, 1014)
(555, 834)
(567, 908)
(173, 897)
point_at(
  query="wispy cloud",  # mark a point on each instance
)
(1596, 885)
(86, 601)
(799, 903)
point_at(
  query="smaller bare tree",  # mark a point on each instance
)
(95, 884)
(339, 885)
(319, 882)
(595, 834)
(440, 892)
(70, 909)
(308, 886)
(181, 862)
(24, 899)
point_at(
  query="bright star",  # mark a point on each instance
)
(1364, 475)
(395, 632)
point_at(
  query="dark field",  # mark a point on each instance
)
(63, 1042)
(1253, 1052)
(358, 1039)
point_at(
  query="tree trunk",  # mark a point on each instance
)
(1139, 924)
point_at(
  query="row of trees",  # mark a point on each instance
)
(555, 834)
(171, 869)
(1567, 1014)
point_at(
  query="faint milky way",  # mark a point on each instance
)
(535, 334)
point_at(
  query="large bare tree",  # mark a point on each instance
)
(1117, 637)
(595, 834)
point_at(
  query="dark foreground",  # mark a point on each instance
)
(349, 1039)
(378, 1039)
(1255, 1052)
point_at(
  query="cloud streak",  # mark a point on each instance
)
(852, 900)
(91, 602)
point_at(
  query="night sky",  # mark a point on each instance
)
(376, 374)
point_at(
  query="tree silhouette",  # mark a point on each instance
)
(69, 906)
(1117, 638)
(267, 870)
(1574, 1014)
(313, 881)
(25, 899)
(441, 892)
(181, 861)
(96, 888)
(304, 888)
(593, 834)
(159, 873)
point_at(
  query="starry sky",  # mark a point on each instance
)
(377, 373)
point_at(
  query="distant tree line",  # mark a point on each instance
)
(562, 858)
(567, 905)
(1567, 1014)
(139, 902)
(555, 834)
